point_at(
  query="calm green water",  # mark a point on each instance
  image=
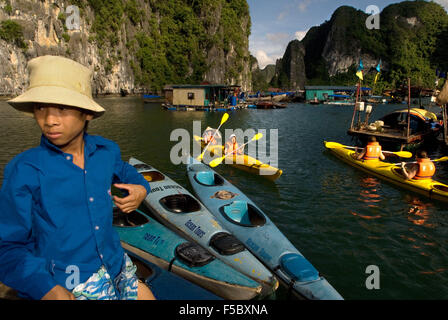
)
(341, 219)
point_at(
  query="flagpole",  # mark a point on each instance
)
(360, 100)
(409, 106)
(360, 76)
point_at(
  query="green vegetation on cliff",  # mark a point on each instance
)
(12, 32)
(168, 41)
(411, 39)
(412, 42)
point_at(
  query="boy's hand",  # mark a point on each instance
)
(137, 193)
(58, 293)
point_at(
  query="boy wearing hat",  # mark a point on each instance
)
(56, 235)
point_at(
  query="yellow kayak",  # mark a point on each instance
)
(243, 162)
(392, 173)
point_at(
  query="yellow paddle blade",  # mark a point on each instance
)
(224, 118)
(216, 162)
(332, 145)
(403, 154)
(257, 136)
(441, 159)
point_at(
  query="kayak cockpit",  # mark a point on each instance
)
(142, 166)
(440, 187)
(243, 213)
(180, 203)
(208, 178)
(153, 176)
(132, 219)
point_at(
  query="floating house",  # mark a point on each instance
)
(320, 94)
(204, 96)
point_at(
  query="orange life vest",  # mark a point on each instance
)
(232, 147)
(426, 169)
(209, 138)
(373, 151)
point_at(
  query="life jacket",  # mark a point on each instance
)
(373, 151)
(208, 138)
(426, 169)
(232, 147)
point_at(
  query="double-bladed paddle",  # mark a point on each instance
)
(223, 119)
(402, 154)
(435, 160)
(217, 161)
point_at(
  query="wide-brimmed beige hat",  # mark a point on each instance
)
(57, 80)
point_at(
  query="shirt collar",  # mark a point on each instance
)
(90, 144)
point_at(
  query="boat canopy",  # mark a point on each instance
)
(421, 113)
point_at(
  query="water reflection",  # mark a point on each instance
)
(369, 192)
(369, 197)
(419, 212)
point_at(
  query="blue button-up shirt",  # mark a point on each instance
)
(56, 218)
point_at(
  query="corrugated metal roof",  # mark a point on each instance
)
(335, 88)
(198, 86)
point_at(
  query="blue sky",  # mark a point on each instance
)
(276, 22)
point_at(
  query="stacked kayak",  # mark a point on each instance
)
(250, 224)
(177, 209)
(148, 239)
(161, 282)
(392, 173)
(243, 162)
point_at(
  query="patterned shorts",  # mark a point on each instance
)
(100, 286)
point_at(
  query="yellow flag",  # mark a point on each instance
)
(376, 77)
(359, 74)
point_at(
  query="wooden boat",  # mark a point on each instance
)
(152, 98)
(270, 105)
(394, 128)
(407, 128)
(275, 98)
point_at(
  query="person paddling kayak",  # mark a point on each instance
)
(209, 136)
(372, 151)
(232, 146)
(422, 170)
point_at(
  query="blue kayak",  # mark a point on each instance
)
(162, 282)
(148, 239)
(180, 211)
(237, 213)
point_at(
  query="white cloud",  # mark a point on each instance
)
(270, 47)
(263, 59)
(279, 37)
(299, 35)
(282, 15)
(443, 3)
(303, 5)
